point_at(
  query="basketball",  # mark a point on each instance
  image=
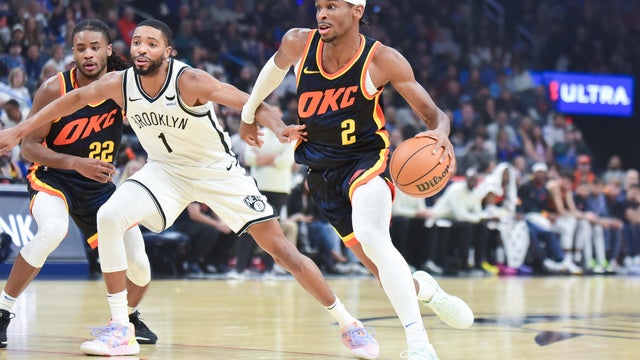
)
(416, 171)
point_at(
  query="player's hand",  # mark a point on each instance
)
(8, 140)
(93, 169)
(251, 134)
(291, 133)
(442, 142)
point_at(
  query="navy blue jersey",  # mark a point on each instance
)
(343, 120)
(94, 131)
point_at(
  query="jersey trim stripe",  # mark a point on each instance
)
(39, 185)
(378, 168)
(155, 201)
(255, 221)
(93, 241)
(365, 71)
(167, 80)
(346, 67)
(124, 91)
(304, 55)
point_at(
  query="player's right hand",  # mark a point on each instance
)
(94, 169)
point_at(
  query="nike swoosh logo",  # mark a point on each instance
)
(136, 99)
(309, 72)
(170, 97)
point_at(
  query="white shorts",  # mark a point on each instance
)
(229, 192)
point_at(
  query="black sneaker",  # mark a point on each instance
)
(143, 334)
(5, 319)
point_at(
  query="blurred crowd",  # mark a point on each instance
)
(536, 199)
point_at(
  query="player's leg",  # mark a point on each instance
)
(50, 213)
(371, 213)
(129, 205)
(270, 238)
(138, 279)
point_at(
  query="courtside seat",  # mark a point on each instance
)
(166, 251)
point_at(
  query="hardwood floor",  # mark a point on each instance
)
(516, 318)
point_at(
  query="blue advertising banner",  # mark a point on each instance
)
(589, 94)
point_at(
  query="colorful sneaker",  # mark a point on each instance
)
(144, 335)
(5, 319)
(361, 341)
(420, 353)
(115, 339)
(452, 310)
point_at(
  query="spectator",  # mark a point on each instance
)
(17, 89)
(613, 171)
(11, 59)
(126, 24)
(207, 234)
(33, 64)
(57, 59)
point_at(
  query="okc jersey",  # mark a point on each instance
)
(93, 131)
(343, 119)
(171, 131)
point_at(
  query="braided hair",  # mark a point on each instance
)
(114, 62)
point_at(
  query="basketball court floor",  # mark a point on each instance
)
(516, 318)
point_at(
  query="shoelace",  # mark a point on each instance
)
(101, 332)
(422, 356)
(360, 336)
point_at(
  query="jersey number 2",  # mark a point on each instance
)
(349, 127)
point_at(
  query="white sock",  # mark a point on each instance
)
(132, 309)
(118, 306)
(416, 334)
(340, 313)
(6, 301)
(425, 290)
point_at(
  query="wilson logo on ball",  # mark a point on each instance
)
(434, 182)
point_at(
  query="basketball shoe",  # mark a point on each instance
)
(144, 335)
(5, 319)
(361, 341)
(112, 340)
(452, 310)
(425, 352)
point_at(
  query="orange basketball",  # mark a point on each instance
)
(416, 170)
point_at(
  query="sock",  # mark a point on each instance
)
(118, 306)
(6, 301)
(340, 313)
(416, 334)
(132, 309)
(425, 290)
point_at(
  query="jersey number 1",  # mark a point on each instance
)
(164, 141)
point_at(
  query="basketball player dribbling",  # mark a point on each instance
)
(340, 78)
(169, 106)
(72, 172)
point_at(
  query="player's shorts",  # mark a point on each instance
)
(332, 189)
(82, 196)
(227, 190)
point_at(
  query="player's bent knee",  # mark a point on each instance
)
(50, 234)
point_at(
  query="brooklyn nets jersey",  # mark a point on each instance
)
(344, 119)
(171, 131)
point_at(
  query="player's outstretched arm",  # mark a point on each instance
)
(34, 150)
(390, 66)
(97, 91)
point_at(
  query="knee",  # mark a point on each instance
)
(139, 271)
(49, 235)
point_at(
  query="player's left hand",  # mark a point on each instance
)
(8, 140)
(251, 134)
(292, 133)
(442, 142)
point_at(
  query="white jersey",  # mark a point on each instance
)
(170, 131)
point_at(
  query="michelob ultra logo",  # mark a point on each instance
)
(574, 93)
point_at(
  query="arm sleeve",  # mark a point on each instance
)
(268, 80)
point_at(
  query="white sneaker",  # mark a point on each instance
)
(114, 339)
(452, 310)
(571, 267)
(422, 353)
(432, 268)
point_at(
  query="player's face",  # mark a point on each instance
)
(90, 53)
(335, 17)
(148, 50)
